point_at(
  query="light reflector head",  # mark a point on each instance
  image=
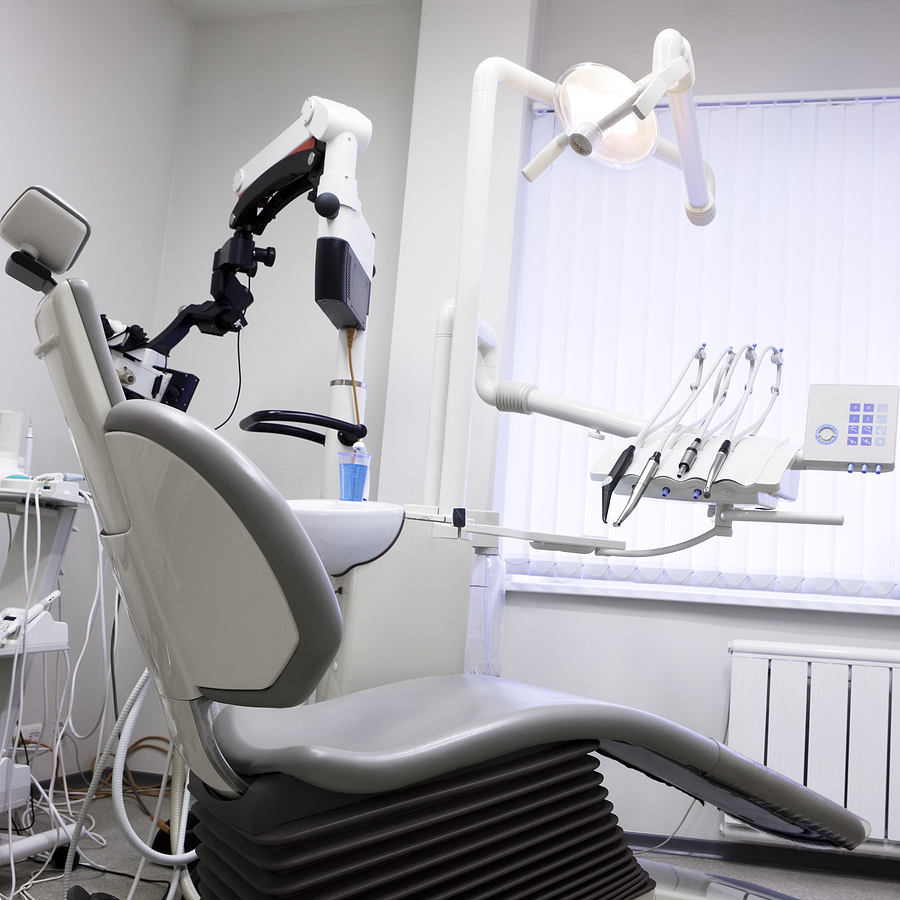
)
(588, 92)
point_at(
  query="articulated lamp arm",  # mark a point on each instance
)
(451, 461)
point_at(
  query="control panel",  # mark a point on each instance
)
(851, 426)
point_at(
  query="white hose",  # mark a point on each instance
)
(118, 796)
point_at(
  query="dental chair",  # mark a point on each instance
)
(444, 786)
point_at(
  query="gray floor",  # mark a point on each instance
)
(801, 885)
(117, 857)
(120, 857)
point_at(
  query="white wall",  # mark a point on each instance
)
(455, 38)
(738, 48)
(668, 658)
(90, 107)
(248, 80)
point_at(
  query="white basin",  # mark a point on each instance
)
(347, 533)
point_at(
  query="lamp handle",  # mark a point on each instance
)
(546, 157)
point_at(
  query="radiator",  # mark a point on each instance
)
(828, 717)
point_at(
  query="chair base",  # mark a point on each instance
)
(532, 826)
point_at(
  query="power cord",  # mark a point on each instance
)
(240, 383)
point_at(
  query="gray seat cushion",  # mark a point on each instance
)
(396, 735)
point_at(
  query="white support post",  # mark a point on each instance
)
(489, 75)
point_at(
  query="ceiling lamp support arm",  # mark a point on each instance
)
(488, 77)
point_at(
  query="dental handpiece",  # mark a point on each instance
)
(615, 476)
(639, 488)
(716, 467)
(690, 456)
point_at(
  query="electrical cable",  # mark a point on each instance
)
(20, 674)
(240, 385)
(715, 531)
(754, 359)
(240, 373)
(98, 605)
(698, 354)
(778, 361)
(20, 646)
(720, 392)
(729, 375)
(725, 447)
(671, 836)
(351, 337)
(105, 871)
(30, 793)
(693, 803)
(138, 689)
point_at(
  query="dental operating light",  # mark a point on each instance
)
(611, 119)
(595, 105)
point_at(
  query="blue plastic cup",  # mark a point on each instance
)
(353, 469)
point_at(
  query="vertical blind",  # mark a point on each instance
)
(616, 288)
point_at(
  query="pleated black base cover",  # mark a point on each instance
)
(531, 826)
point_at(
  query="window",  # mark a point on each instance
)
(616, 289)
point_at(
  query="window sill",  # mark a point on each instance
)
(582, 587)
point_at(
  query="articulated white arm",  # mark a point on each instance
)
(321, 119)
(519, 397)
(670, 52)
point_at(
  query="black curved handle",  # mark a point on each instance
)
(268, 420)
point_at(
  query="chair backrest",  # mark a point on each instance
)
(81, 369)
(227, 594)
(222, 582)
